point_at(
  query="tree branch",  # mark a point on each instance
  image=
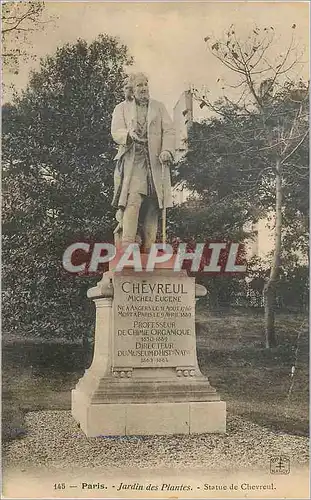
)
(295, 148)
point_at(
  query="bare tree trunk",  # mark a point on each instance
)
(270, 286)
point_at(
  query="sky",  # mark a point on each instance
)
(166, 39)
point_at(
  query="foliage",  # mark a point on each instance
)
(258, 71)
(19, 20)
(229, 163)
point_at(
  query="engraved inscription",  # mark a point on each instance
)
(154, 321)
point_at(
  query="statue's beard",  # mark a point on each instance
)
(143, 98)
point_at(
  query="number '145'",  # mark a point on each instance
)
(59, 486)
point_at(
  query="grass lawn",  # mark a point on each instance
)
(252, 380)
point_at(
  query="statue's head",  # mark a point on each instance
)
(139, 82)
(128, 90)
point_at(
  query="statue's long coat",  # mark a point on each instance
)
(161, 137)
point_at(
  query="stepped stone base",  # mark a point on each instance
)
(144, 378)
(143, 419)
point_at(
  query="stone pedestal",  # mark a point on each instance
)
(144, 378)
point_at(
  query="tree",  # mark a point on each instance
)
(276, 109)
(216, 211)
(19, 20)
(57, 181)
(296, 208)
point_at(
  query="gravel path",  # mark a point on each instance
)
(55, 441)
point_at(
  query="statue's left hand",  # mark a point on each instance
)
(165, 157)
(119, 216)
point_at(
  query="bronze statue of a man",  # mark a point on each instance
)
(144, 132)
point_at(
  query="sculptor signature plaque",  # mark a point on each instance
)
(154, 321)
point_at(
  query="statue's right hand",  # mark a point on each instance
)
(136, 138)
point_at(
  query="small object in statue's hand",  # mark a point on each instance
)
(134, 136)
